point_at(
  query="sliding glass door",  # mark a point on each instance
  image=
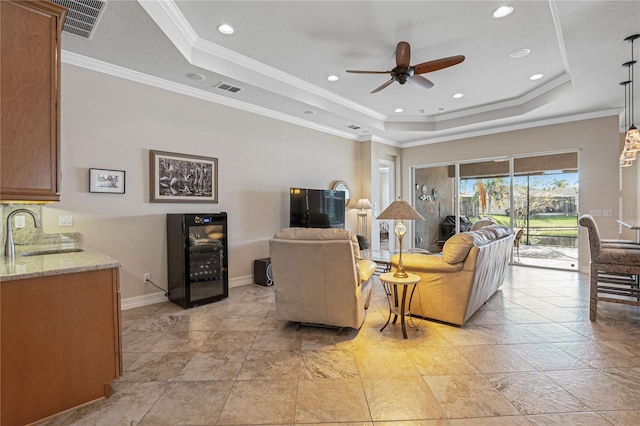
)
(536, 195)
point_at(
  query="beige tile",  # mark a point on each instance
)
(586, 419)
(247, 323)
(630, 417)
(544, 356)
(494, 359)
(260, 402)
(552, 332)
(331, 364)
(403, 398)
(197, 323)
(229, 341)
(128, 404)
(156, 366)
(547, 398)
(212, 366)
(599, 354)
(331, 400)
(469, 396)
(439, 361)
(181, 341)
(316, 338)
(492, 421)
(140, 341)
(610, 389)
(374, 362)
(270, 365)
(189, 403)
(277, 340)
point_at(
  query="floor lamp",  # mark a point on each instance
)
(400, 210)
(363, 205)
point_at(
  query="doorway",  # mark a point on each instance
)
(535, 194)
(386, 177)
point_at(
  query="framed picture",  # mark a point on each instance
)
(183, 178)
(108, 181)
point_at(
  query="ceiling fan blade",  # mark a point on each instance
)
(420, 81)
(403, 55)
(376, 90)
(368, 72)
(437, 64)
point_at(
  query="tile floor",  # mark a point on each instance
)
(529, 356)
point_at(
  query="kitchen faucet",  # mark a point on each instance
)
(9, 247)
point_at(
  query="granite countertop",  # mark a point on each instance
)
(23, 267)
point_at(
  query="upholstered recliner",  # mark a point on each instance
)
(457, 282)
(614, 269)
(319, 277)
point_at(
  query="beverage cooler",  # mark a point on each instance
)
(197, 258)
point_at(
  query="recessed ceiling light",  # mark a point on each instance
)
(195, 76)
(398, 110)
(502, 11)
(458, 95)
(333, 78)
(536, 77)
(225, 29)
(520, 53)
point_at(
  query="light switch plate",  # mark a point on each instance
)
(65, 220)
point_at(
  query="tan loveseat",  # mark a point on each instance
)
(457, 282)
(319, 277)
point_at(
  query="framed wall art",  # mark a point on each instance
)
(107, 181)
(182, 178)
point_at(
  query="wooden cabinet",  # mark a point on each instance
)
(61, 343)
(30, 99)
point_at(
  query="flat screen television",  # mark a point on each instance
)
(316, 208)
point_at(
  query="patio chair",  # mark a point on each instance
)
(516, 242)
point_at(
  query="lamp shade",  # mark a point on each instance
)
(400, 210)
(363, 204)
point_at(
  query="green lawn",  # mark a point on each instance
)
(565, 226)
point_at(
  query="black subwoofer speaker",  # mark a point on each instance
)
(262, 272)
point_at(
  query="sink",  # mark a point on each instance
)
(51, 251)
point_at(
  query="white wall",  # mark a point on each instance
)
(112, 123)
(597, 141)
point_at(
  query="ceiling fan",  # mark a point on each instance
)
(403, 72)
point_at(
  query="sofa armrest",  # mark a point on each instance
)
(425, 263)
(365, 269)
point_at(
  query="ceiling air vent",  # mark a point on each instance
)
(228, 87)
(82, 16)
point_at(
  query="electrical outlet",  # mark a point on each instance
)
(146, 277)
(18, 222)
(65, 220)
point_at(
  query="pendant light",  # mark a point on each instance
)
(632, 138)
(626, 157)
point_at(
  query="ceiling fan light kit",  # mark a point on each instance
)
(403, 72)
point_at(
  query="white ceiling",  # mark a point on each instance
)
(282, 52)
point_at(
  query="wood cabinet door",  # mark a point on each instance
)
(29, 79)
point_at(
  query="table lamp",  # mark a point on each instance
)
(400, 210)
(363, 205)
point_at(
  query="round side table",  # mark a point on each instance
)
(389, 280)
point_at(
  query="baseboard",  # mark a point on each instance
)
(158, 297)
(138, 301)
